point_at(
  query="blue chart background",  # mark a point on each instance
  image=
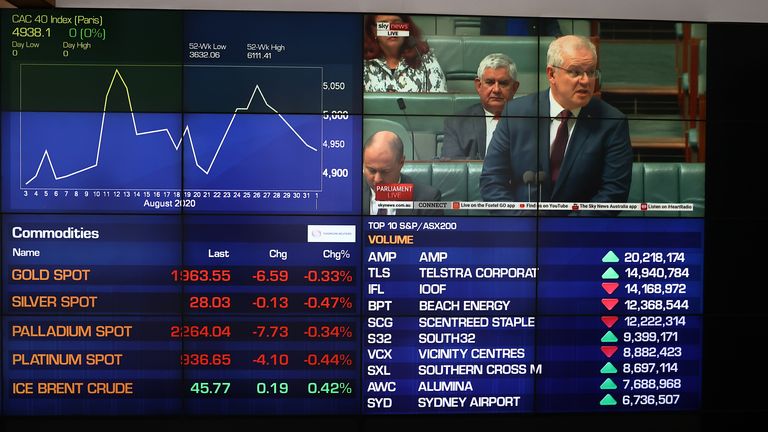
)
(72, 139)
(260, 153)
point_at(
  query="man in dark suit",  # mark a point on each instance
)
(562, 144)
(383, 159)
(468, 133)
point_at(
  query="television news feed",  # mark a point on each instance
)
(648, 77)
(248, 223)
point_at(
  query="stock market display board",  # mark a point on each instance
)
(183, 234)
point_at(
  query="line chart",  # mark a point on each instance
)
(222, 138)
(186, 112)
(176, 143)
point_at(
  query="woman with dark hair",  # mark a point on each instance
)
(396, 63)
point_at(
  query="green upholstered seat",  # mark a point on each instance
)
(460, 56)
(420, 172)
(637, 64)
(654, 182)
(451, 178)
(373, 125)
(692, 187)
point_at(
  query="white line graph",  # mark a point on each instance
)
(176, 144)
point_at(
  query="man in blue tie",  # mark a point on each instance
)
(578, 143)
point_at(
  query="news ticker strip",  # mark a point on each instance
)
(511, 205)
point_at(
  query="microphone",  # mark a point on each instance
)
(401, 105)
(528, 178)
(415, 45)
(541, 176)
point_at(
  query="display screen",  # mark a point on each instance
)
(184, 111)
(265, 213)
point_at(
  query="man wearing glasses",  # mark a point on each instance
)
(468, 134)
(562, 144)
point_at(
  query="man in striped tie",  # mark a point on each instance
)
(577, 145)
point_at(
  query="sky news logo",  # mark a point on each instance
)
(387, 29)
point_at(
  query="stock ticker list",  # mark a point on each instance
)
(108, 315)
(474, 315)
(291, 315)
(182, 235)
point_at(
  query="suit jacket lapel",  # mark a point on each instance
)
(366, 198)
(480, 137)
(543, 144)
(480, 131)
(579, 135)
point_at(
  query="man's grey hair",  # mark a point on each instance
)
(495, 61)
(573, 42)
